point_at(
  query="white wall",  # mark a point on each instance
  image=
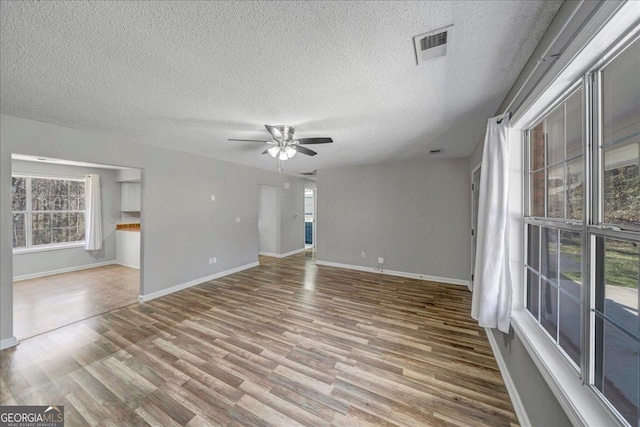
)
(30, 263)
(414, 214)
(181, 226)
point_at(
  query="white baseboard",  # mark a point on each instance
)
(518, 406)
(297, 251)
(275, 255)
(176, 288)
(62, 270)
(130, 266)
(8, 342)
(447, 280)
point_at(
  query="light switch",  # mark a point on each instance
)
(213, 198)
(237, 219)
(287, 186)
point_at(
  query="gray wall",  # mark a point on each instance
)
(414, 214)
(51, 260)
(181, 226)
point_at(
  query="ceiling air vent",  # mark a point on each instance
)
(433, 44)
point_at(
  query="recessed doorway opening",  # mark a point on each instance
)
(76, 241)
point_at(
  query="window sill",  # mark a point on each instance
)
(581, 404)
(45, 248)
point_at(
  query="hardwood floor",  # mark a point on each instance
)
(286, 343)
(46, 303)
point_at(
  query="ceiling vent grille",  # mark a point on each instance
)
(433, 44)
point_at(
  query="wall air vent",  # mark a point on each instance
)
(433, 44)
(437, 151)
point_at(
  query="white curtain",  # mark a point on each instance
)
(491, 301)
(93, 217)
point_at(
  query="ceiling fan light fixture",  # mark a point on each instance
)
(283, 155)
(273, 151)
(290, 151)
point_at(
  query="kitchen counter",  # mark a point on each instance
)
(128, 227)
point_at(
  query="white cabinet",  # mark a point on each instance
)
(128, 248)
(130, 198)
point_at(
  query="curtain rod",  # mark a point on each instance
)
(541, 59)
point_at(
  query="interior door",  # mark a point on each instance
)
(475, 199)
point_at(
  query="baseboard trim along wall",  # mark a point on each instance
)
(275, 255)
(426, 277)
(518, 406)
(62, 270)
(176, 288)
(8, 342)
(286, 254)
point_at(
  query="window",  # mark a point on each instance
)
(583, 229)
(47, 211)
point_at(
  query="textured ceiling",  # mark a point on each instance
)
(189, 75)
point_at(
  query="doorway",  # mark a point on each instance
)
(475, 200)
(269, 221)
(310, 229)
(58, 279)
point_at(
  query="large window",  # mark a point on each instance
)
(583, 229)
(47, 211)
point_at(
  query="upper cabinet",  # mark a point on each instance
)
(130, 201)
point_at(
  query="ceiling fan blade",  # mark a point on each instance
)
(275, 132)
(265, 151)
(248, 140)
(303, 150)
(314, 140)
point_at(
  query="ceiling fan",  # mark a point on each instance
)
(284, 146)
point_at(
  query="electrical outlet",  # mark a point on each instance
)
(362, 254)
(237, 219)
(213, 198)
(380, 260)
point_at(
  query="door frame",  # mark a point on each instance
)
(474, 214)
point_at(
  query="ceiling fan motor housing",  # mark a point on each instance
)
(286, 131)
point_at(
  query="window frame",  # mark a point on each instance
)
(592, 226)
(30, 247)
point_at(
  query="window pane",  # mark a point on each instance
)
(575, 187)
(621, 274)
(41, 237)
(571, 294)
(571, 263)
(549, 254)
(533, 290)
(60, 235)
(570, 325)
(575, 127)
(549, 308)
(622, 184)
(19, 231)
(533, 252)
(537, 193)
(621, 367)
(18, 194)
(621, 97)
(537, 147)
(555, 188)
(555, 136)
(41, 221)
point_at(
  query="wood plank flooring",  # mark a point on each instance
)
(46, 303)
(287, 343)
